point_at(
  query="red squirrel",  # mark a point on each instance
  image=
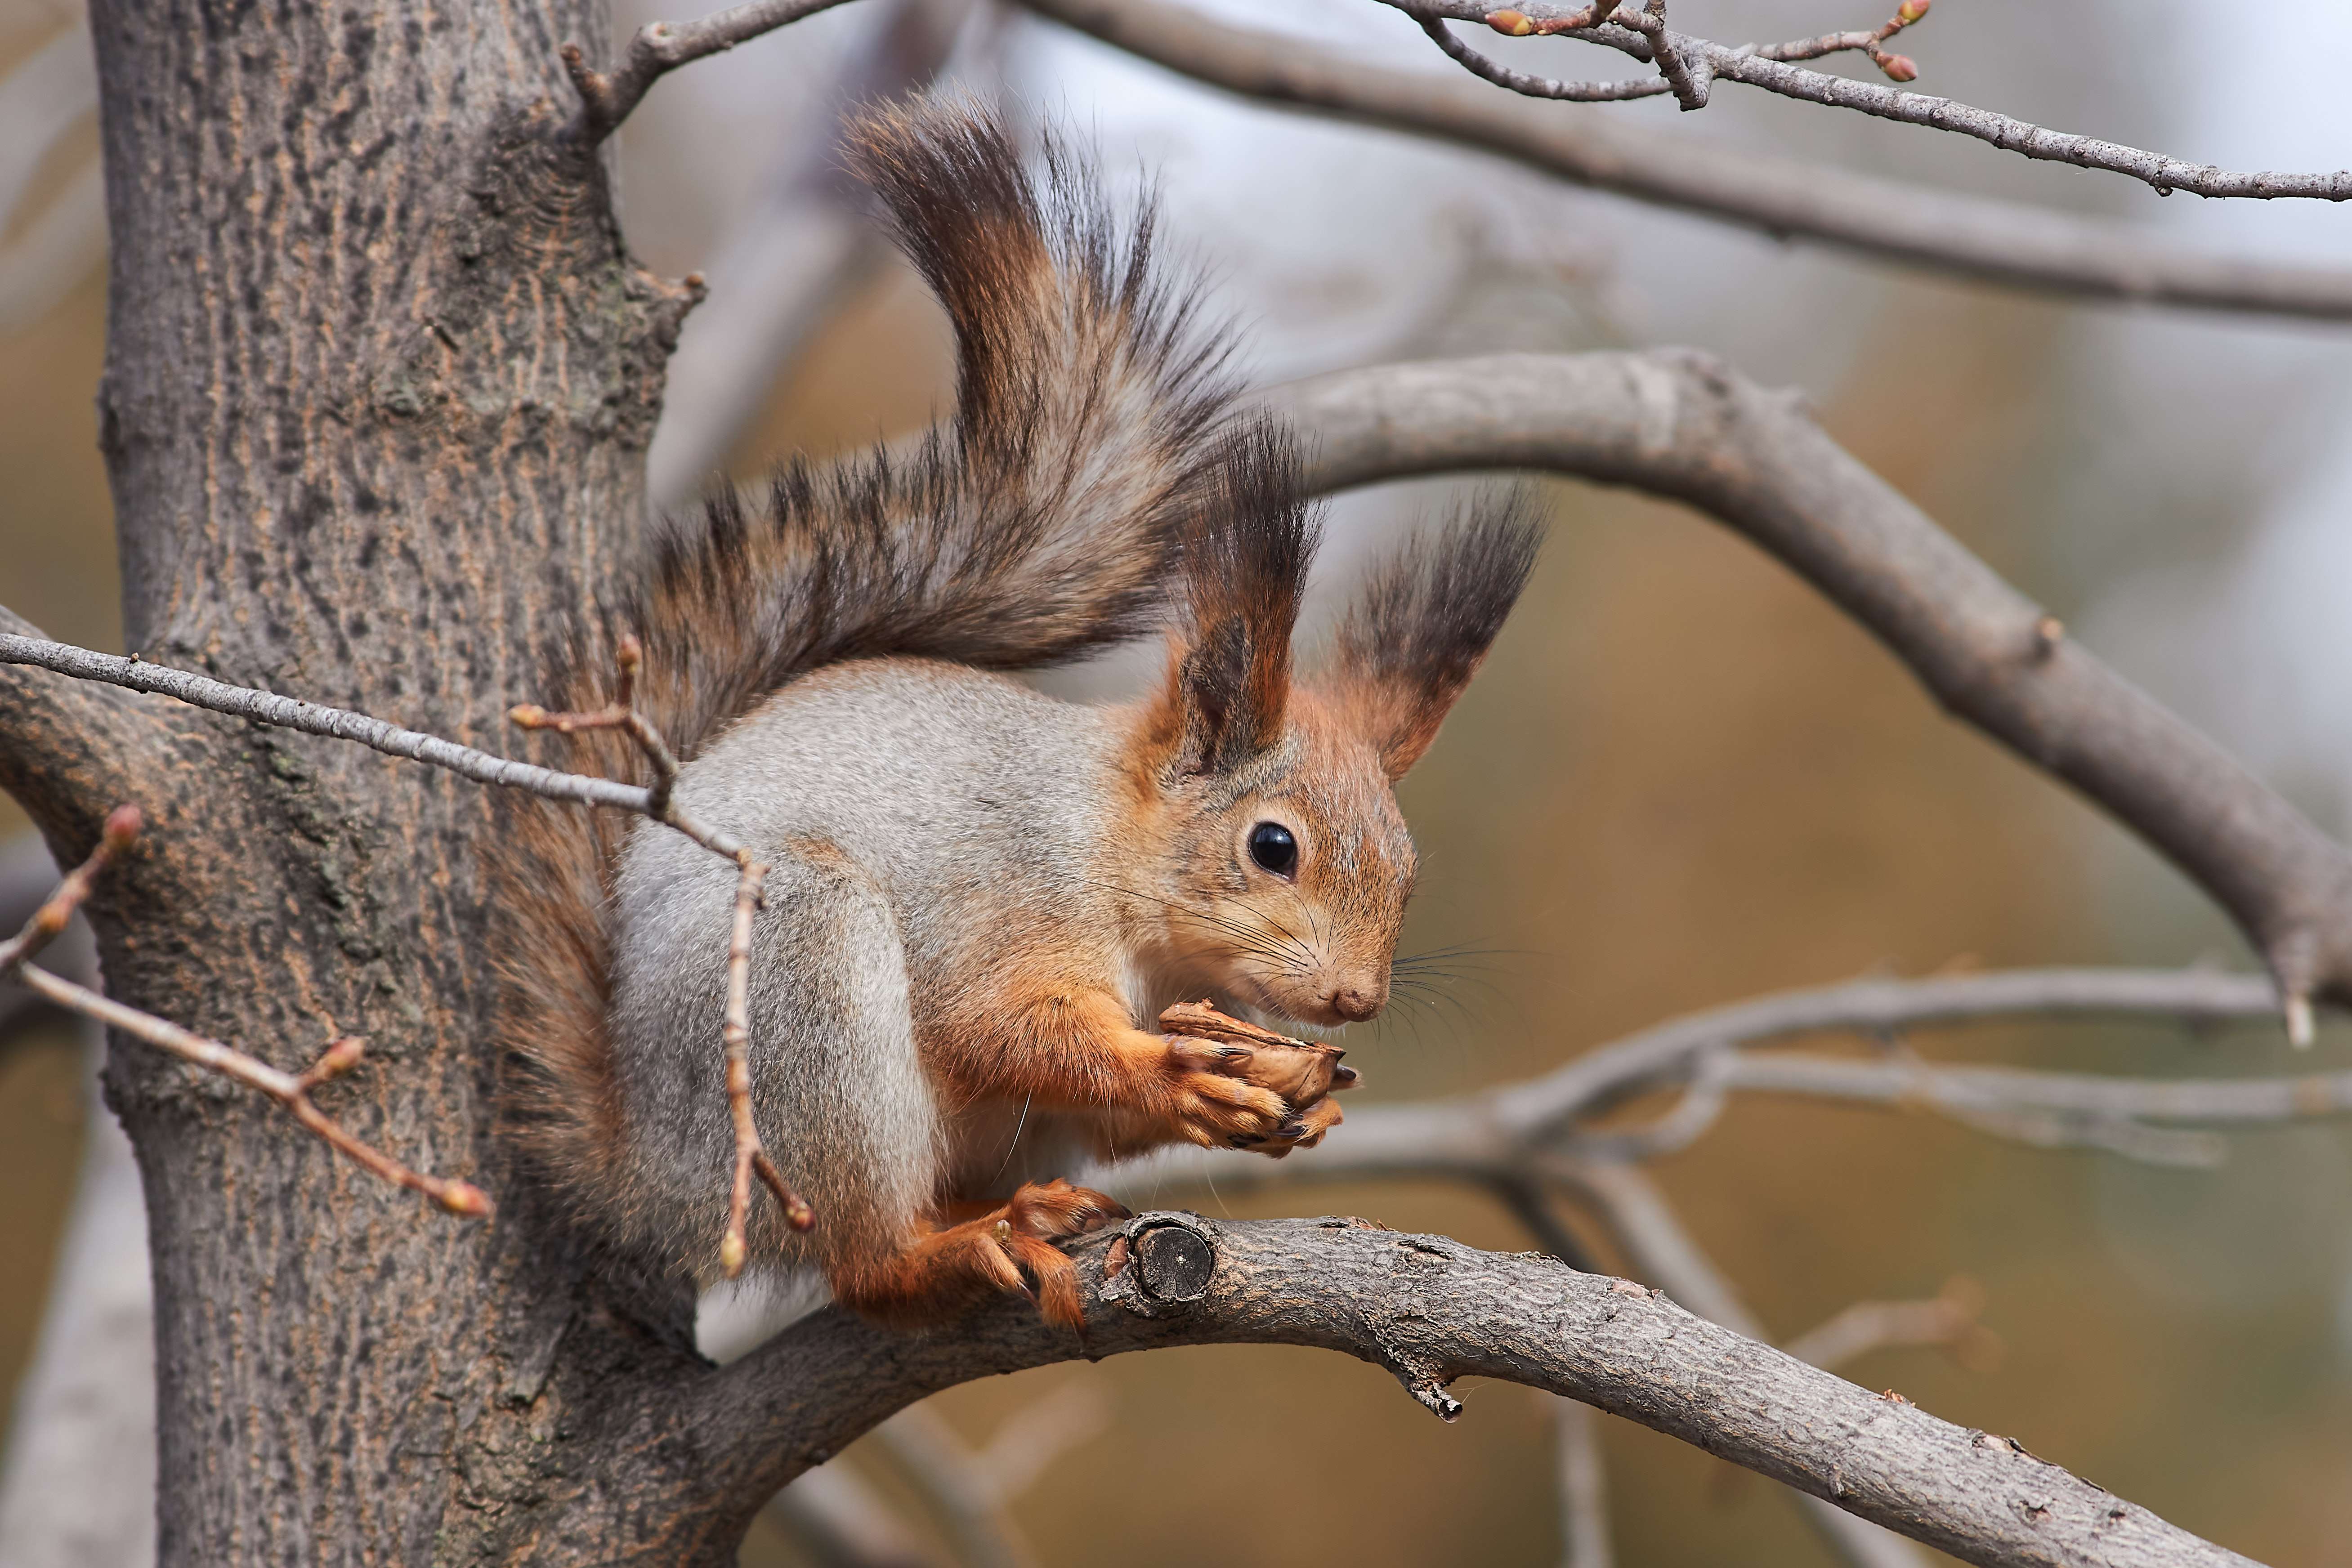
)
(981, 897)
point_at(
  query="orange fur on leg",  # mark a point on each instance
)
(950, 1271)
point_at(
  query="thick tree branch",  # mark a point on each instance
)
(1431, 1312)
(2002, 242)
(1680, 425)
(1658, 1249)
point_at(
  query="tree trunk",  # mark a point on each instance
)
(379, 380)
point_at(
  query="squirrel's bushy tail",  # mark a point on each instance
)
(1039, 524)
(1035, 527)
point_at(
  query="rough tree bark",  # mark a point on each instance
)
(381, 377)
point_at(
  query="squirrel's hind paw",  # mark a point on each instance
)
(1010, 1247)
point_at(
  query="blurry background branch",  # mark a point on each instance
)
(658, 48)
(792, 250)
(42, 102)
(2003, 242)
(1686, 426)
(1523, 1142)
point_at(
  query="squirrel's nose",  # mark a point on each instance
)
(1354, 1003)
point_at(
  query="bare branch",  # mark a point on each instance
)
(1947, 1321)
(67, 745)
(1681, 425)
(1659, 1250)
(1528, 86)
(660, 48)
(622, 714)
(944, 1468)
(290, 1089)
(751, 876)
(1699, 59)
(1500, 1138)
(28, 879)
(47, 922)
(1583, 1486)
(1664, 1053)
(655, 803)
(801, 240)
(751, 1156)
(1687, 71)
(1908, 1081)
(1431, 1311)
(837, 1521)
(2003, 242)
(1872, 43)
(315, 718)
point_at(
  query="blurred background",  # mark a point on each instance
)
(1682, 779)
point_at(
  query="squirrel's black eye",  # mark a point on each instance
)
(1272, 846)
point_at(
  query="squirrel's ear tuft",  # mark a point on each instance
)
(1246, 555)
(1422, 623)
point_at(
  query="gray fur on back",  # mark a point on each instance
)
(918, 817)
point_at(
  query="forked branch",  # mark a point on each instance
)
(655, 803)
(1689, 64)
(291, 1090)
(751, 874)
(660, 48)
(2003, 242)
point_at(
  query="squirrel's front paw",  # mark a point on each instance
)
(1242, 1087)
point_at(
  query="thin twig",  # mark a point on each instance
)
(291, 1090)
(749, 1154)
(751, 874)
(48, 921)
(1498, 1138)
(1691, 63)
(656, 803)
(1900, 67)
(317, 718)
(1528, 86)
(1686, 70)
(660, 48)
(2011, 242)
(622, 714)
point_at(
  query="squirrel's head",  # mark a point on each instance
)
(1279, 863)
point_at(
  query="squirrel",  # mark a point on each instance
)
(979, 892)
